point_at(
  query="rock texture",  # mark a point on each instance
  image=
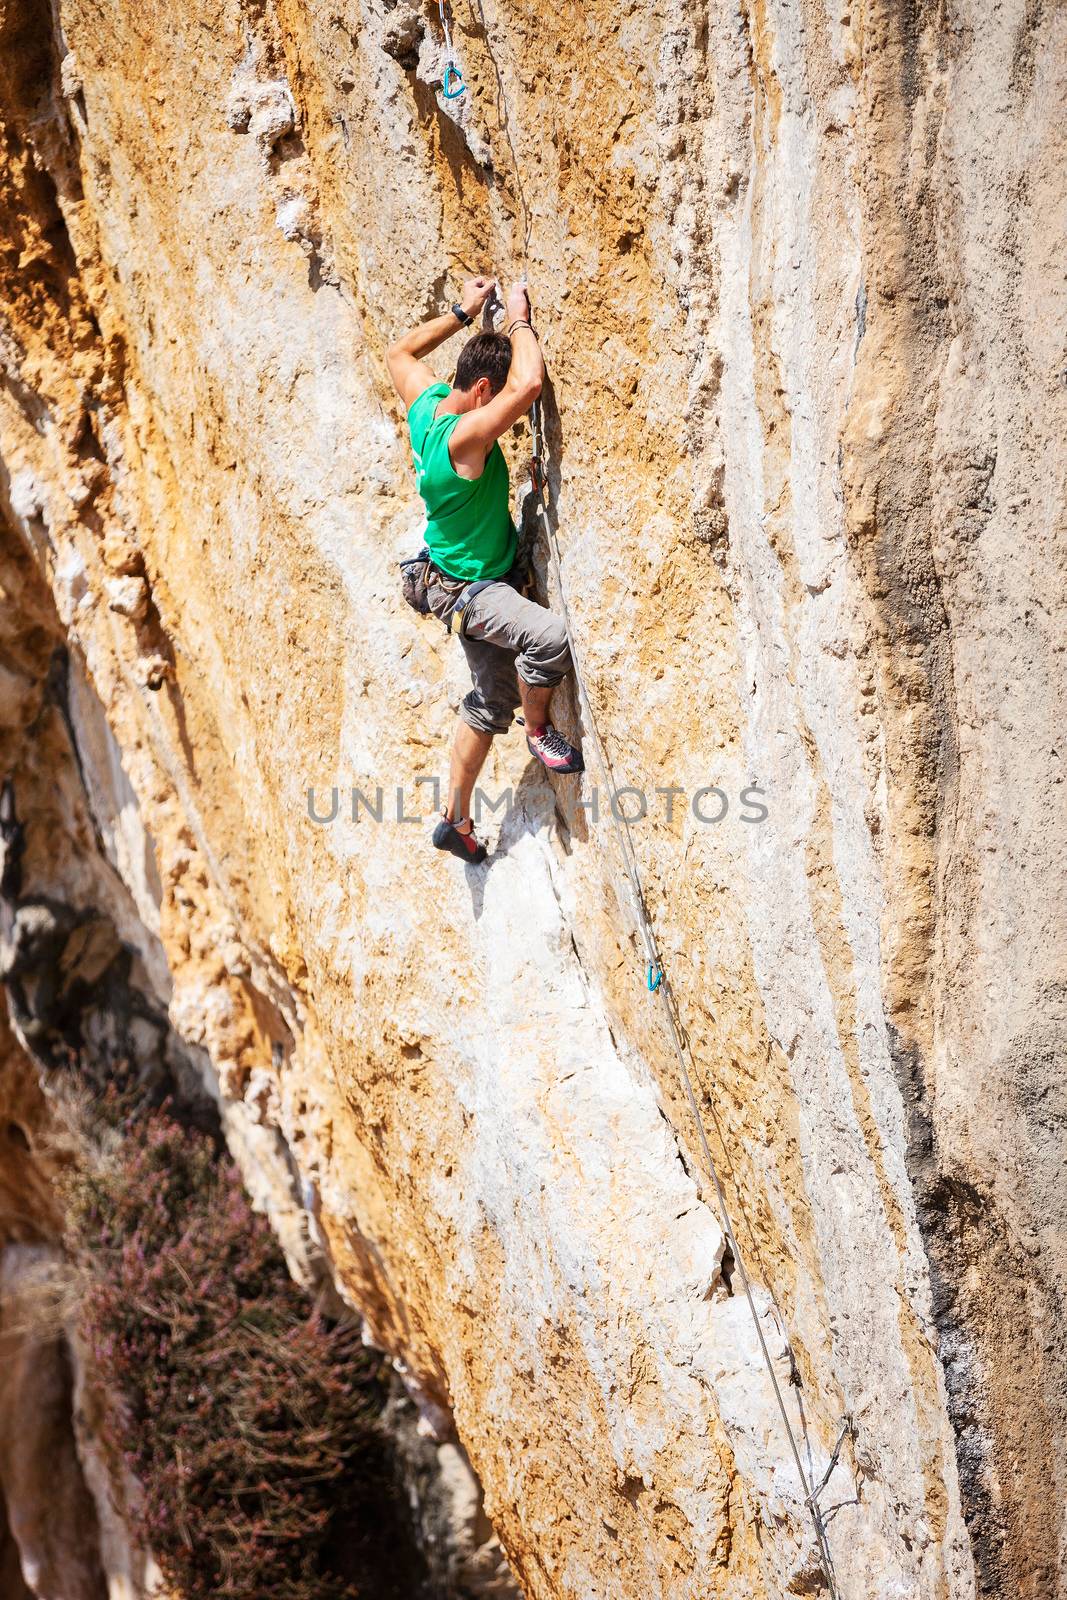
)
(796, 272)
(49, 1529)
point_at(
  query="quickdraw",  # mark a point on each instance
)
(452, 85)
(538, 481)
(492, 312)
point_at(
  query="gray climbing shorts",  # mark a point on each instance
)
(506, 637)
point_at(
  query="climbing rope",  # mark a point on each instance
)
(657, 979)
(505, 122)
(659, 983)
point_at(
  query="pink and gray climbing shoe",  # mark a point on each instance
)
(553, 750)
(446, 836)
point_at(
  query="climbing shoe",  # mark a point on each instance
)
(551, 748)
(446, 836)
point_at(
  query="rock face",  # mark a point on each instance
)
(49, 1529)
(794, 271)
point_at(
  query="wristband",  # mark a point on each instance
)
(520, 322)
(458, 311)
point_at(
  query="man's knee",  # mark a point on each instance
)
(547, 657)
(486, 716)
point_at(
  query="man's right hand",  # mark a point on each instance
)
(476, 292)
(518, 304)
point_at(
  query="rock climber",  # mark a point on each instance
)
(516, 650)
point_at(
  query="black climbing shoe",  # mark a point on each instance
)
(446, 836)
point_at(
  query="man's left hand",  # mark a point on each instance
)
(476, 292)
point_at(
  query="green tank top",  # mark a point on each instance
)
(469, 531)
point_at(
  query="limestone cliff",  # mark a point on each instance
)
(49, 1531)
(795, 268)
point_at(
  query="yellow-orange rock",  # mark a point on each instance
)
(796, 272)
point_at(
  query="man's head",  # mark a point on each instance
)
(482, 368)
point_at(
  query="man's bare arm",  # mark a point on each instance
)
(477, 431)
(409, 372)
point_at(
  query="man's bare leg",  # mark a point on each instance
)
(550, 747)
(535, 704)
(469, 750)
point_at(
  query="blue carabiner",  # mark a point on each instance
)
(653, 984)
(452, 75)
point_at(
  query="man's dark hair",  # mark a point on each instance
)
(487, 355)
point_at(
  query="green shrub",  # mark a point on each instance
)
(246, 1418)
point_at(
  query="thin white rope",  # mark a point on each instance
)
(683, 1050)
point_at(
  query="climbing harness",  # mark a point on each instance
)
(452, 85)
(456, 621)
(419, 575)
(656, 979)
